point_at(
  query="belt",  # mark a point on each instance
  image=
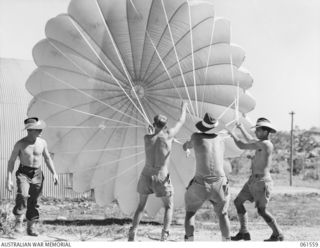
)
(29, 167)
(261, 176)
(202, 180)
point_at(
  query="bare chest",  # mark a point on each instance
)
(33, 150)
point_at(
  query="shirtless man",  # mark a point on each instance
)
(30, 151)
(258, 187)
(210, 182)
(155, 177)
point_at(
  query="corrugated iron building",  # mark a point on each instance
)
(14, 100)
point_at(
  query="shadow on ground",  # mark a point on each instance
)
(97, 222)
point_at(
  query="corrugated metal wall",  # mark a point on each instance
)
(14, 100)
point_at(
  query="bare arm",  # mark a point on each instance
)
(243, 145)
(12, 160)
(245, 134)
(173, 131)
(49, 163)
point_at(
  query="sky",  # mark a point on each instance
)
(281, 39)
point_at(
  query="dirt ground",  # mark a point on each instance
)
(295, 208)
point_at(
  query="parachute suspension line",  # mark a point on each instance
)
(67, 57)
(192, 56)
(177, 57)
(102, 150)
(106, 67)
(95, 127)
(236, 108)
(163, 110)
(82, 112)
(89, 96)
(226, 110)
(123, 172)
(207, 65)
(165, 68)
(113, 162)
(96, 56)
(122, 63)
(163, 64)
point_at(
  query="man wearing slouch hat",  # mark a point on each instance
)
(29, 175)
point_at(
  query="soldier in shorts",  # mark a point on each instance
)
(258, 188)
(209, 182)
(155, 177)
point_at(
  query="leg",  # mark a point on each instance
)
(137, 216)
(242, 214)
(270, 220)
(194, 197)
(32, 214)
(220, 200)
(22, 195)
(243, 219)
(21, 201)
(35, 190)
(189, 225)
(168, 211)
(224, 224)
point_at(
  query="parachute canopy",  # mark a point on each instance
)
(108, 66)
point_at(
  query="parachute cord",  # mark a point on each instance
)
(108, 70)
(82, 112)
(177, 57)
(122, 172)
(165, 68)
(111, 162)
(226, 110)
(163, 64)
(237, 87)
(193, 64)
(102, 150)
(101, 126)
(123, 65)
(207, 65)
(89, 96)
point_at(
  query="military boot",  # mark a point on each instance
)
(31, 229)
(18, 227)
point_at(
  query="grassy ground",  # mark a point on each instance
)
(81, 220)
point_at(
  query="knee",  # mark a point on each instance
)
(262, 212)
(23, 196)
(239, 206)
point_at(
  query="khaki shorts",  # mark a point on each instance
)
(257, 189)
(200, 190)
(149, 184)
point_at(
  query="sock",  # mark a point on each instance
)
(243, 218)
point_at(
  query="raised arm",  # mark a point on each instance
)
(173, 131)
(245, 134)
(49, 163)
(12, 160)
(242, 145)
